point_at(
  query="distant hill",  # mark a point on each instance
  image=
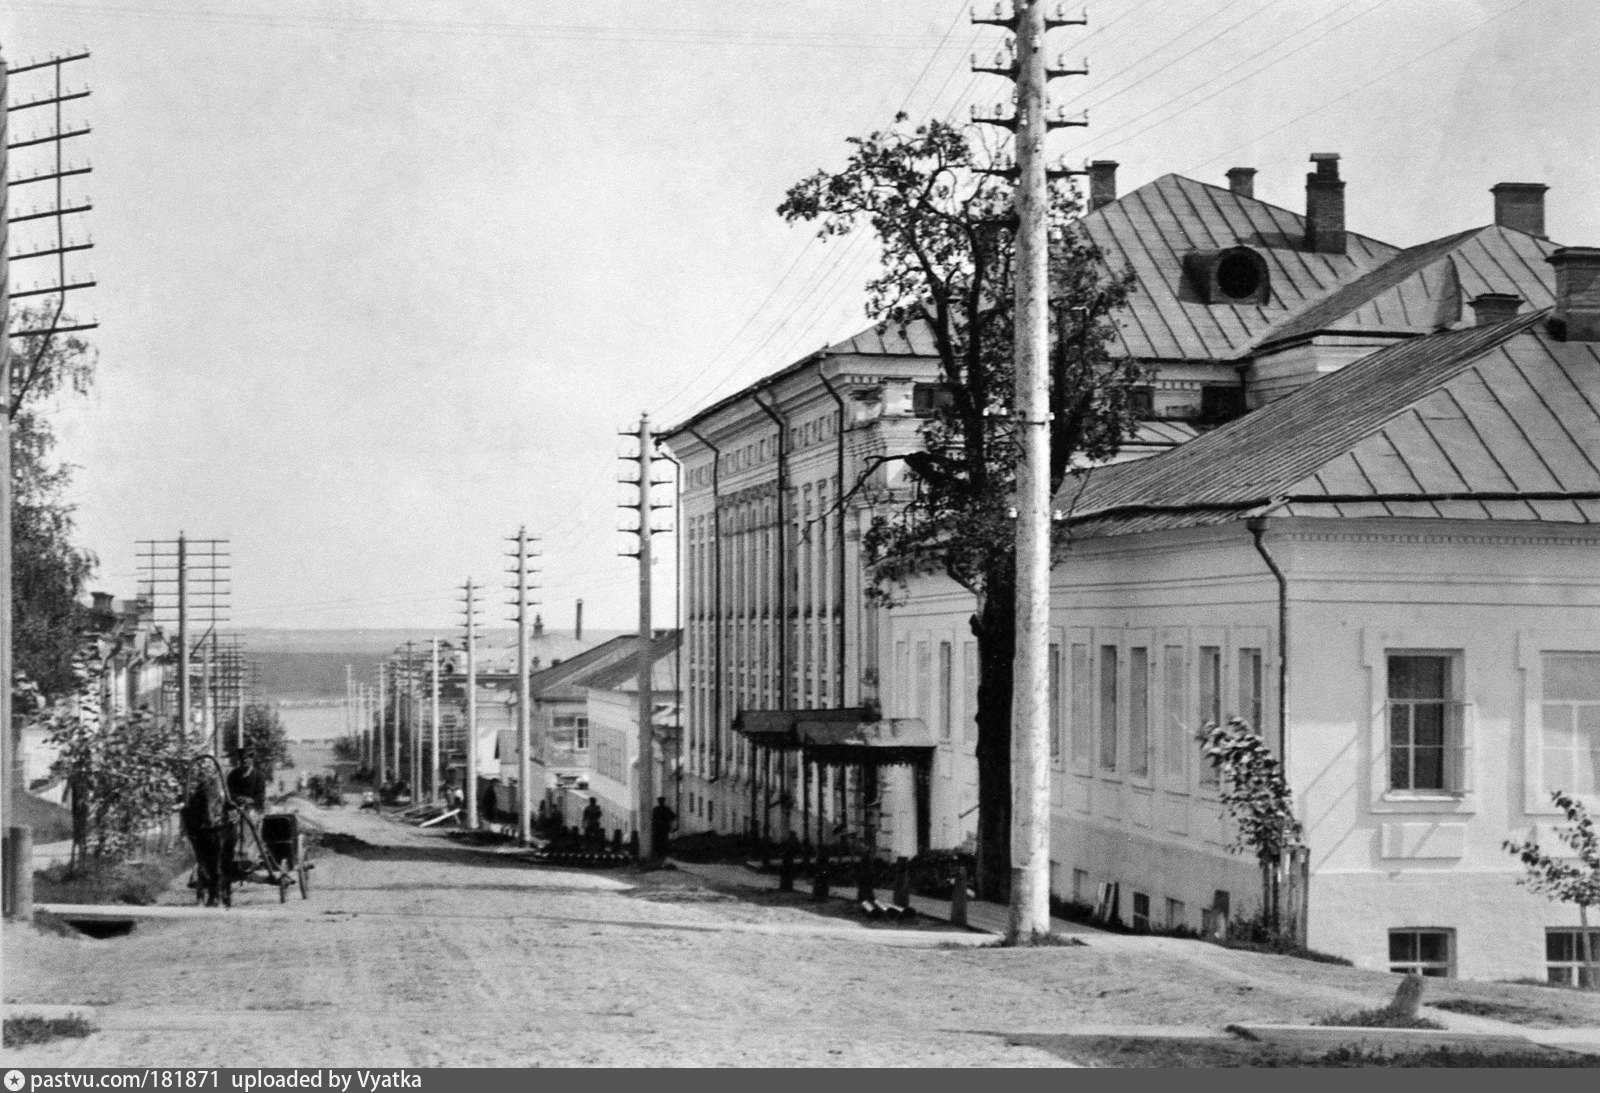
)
(310, 664)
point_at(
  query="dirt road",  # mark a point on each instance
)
(413, 951)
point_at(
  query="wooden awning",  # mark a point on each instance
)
(846, 735)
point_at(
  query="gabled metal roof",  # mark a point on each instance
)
(1495, 422)
(1150, 229)
(1426, 288)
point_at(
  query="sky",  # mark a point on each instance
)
(380, 283)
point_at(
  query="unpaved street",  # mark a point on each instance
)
(414, 951)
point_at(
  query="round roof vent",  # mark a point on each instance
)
(1236, 275)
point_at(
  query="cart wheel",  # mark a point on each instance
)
(302, 869)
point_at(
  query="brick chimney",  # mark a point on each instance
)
(1495, 307)
(1242, 181)
(1577, 314)
(1102, 183)
(1520, 205)
(1325, 206)
(577, 623)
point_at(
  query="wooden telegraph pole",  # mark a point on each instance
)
(470, 781)
(1030, 709)
(433, 721)
(383, 759)
(644, 795)
(524, 696)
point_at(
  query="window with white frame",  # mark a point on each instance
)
(1570, 712)
(1429, 952)
(1209, 692)
(1139, 711)
(1566, 963)
(1108, 707)
(1427, 745)
(924, 681)
(1174, 716)
(1082, 703)
(969, 671)
(1055, 702)
(946, 668)
(1250, 688)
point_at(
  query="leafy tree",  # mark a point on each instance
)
(123, 775)
(945, 231)
(1258, 801)
(1569, 880)
(48, 571)
(265, 739)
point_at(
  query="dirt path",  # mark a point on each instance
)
(414, 951)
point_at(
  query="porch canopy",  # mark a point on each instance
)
(848, 735)
(828, 744)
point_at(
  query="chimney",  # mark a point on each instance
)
(1577, 314)
(104, 603)
(577, 625)
(1102, 183)
(1520, 205)
(538, 626)
(1242, 181)
(1495, 307)
(1325, 206)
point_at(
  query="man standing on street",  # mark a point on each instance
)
(662, 821)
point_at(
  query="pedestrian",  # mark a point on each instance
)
(593, 834)
(662, 822)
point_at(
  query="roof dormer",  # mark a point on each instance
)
(1235, 275)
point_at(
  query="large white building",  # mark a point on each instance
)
(865, 713)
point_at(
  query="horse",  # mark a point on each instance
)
(209, 828)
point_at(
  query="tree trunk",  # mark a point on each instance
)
(1588, 952)
(994, 627)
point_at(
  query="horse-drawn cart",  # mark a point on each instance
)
(233, 845)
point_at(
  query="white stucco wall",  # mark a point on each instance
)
(1491, 595)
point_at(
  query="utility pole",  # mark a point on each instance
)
(470, 780)
(524, 695)
(644, 795)
(383, 759)
(1030, 706)
(183, 637)
(41, 235)
(433, 722)
(413, 724)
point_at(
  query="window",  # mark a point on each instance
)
(1425, 745)
(1571, 715)
(1080, 704)
(1055, 702)
(902, 675)
(1142, 402)
(1139, 711)
(929, 398)
(1250, 687)
(1141, 911)
(1080, 886)
(1177, 744)
(1426, 952)
(1210, 691)
(1220, 403)
(969, 669)
(1177, 916)
(1564, 956)
(1108, 707)
(580, 735)
(924, 681)
(945, 683)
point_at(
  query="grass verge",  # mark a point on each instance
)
(1217, 1052)
(23, 1031)
(139, 883)
(1377, 1018)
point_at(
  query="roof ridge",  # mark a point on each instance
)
(1187, 471)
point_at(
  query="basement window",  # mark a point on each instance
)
(1563, 953)
(1425, 952)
